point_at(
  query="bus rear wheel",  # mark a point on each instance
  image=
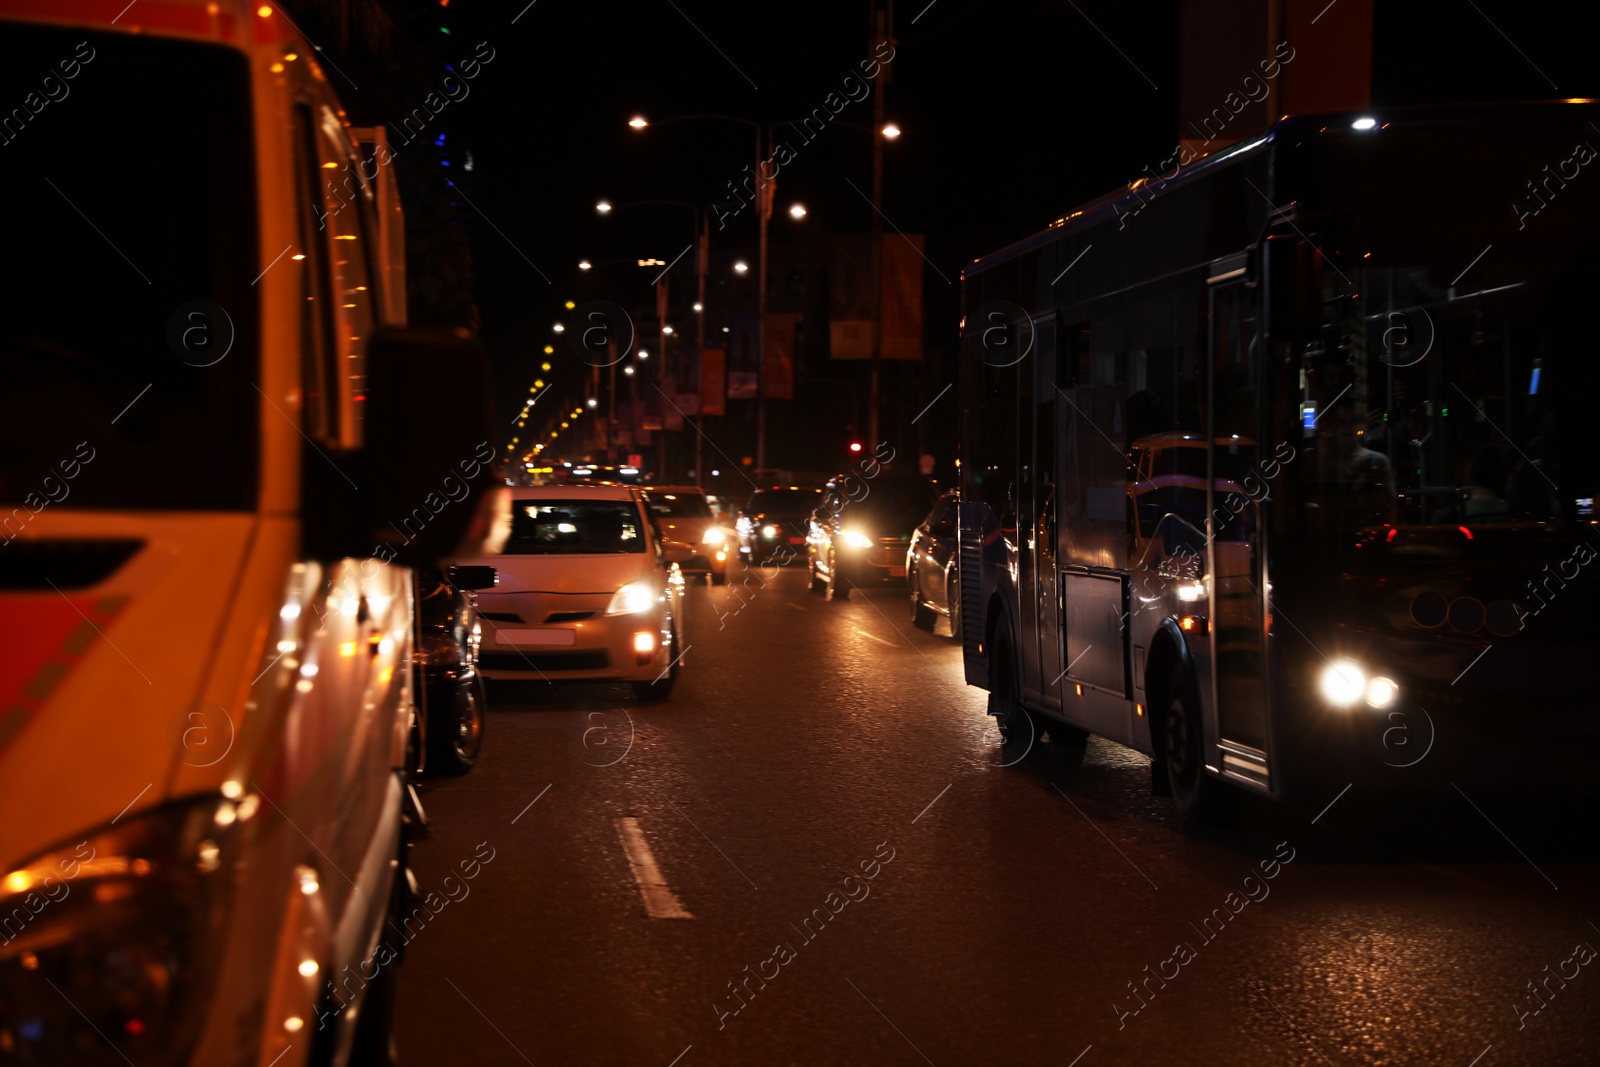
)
(1198, 797)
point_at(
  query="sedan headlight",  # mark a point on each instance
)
(632, 599)
(769, 531)
(857, 539)
(126, 925)
(713, 536)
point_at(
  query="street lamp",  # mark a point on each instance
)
(891, 131)
(741, 267)
(797, 211)
(763, 209)
(702, 242)
(584, 264)
(603, 207)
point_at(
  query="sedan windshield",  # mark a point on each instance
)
(590, 527)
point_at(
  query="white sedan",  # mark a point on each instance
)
(586, 589)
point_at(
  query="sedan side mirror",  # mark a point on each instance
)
(676, 552)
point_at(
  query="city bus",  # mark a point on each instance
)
(1278, 465)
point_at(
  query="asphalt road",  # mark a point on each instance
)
(813, 854)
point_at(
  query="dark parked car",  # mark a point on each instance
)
(449, 689)
(774, 522)
(861, 530)
(931, 567)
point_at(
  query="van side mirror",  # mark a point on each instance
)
(426, 462)
(466, 577)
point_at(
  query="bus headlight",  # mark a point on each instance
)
(857, 539)
(1343, 683)
(1382, 692)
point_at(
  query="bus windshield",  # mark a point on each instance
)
(128, 342)
(1451, 376)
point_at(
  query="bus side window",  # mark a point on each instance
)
(1074, 366)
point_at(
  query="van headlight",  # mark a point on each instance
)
(713, 536)
(127, 925)
(632, 598)
(857, 539)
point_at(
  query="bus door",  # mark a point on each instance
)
(1236, 553)
(1042, 596)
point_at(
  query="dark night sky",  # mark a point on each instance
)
(1012, 114)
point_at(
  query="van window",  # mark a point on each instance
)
(128, 330)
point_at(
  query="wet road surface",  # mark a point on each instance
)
(816, 853)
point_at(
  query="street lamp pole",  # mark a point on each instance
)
(701, 254)
(876, 251)
(763, 212)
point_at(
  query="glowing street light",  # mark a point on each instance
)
(584, 264)
(638, 122)
(699, 306)
(741, 267)
(559, 328)
(628, 371)
(643, 354)
(797, 211)
(891, 131)
(544, 366)
(603, 207)
(591, 403)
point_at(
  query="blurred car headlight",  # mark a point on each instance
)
(857, 539)
(769, 531)
(126, 925)
(632, 598)
(713, 536)
(1343, 683)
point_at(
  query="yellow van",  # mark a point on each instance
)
(220, 457)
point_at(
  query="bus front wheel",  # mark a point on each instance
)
(1198, 797)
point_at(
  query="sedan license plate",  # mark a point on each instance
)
(897, 571)
(522, 638)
